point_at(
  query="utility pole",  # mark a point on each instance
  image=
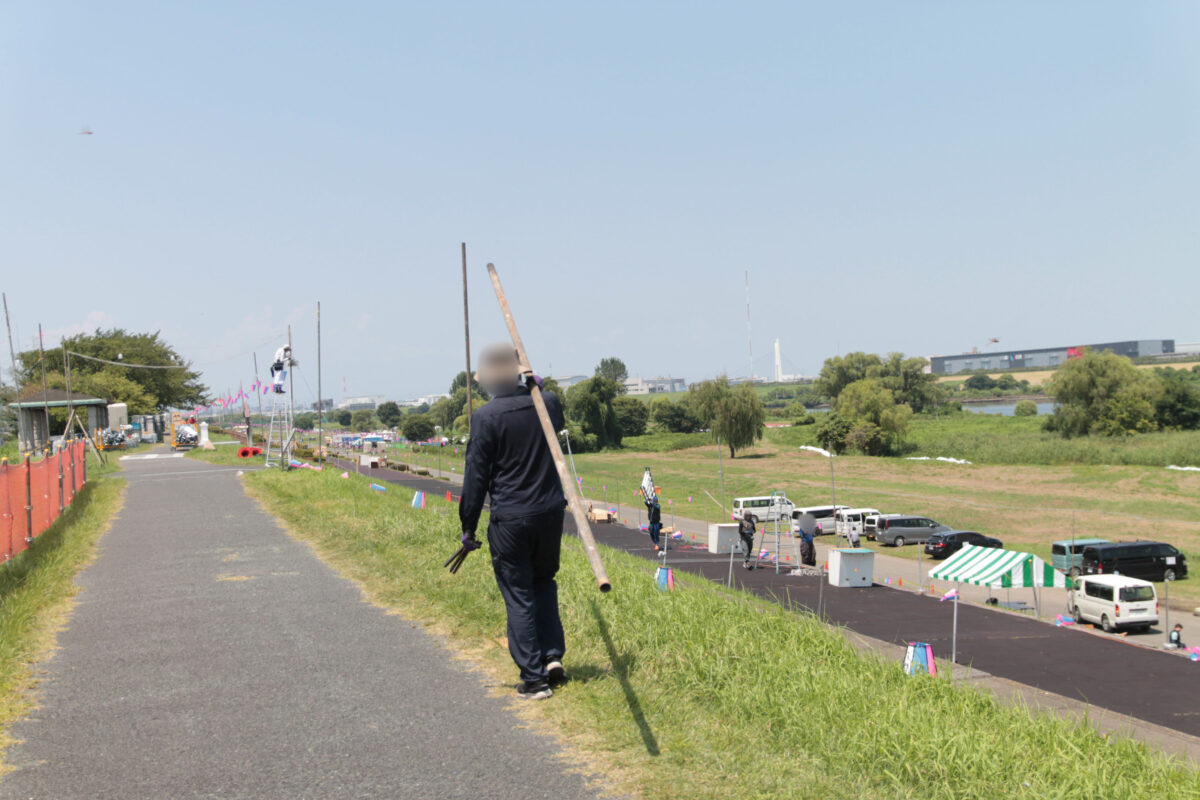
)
(16, 380)
(258, 393)
(45, 388)
(320, 402)
(467, 335)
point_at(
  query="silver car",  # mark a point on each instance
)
(899, 531)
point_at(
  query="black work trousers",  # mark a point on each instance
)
(525, 554)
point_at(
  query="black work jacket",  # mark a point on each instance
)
(508, 458)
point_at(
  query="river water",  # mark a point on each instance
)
(1005, 409)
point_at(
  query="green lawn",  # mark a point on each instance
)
(705, 693)
(36, 589)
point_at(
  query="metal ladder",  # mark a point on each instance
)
(280, 433)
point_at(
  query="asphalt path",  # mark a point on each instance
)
(212, 656)
(1106, 671)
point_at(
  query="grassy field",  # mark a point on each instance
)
(703, 693)
(1028, 507)
(36, 589)
(1040, 376)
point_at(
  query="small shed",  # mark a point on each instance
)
(33, 407)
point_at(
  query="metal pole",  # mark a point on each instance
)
(16, 379)
(67, 378)
(1167, 595)
(286, 454)
(29, 502)
(260, 394)
(45, 388)
(60, 482)
(467, 337)
(721, 468)
(539, 404)
(320, 402)
(832, 485)
(954, 639)
(920, 570)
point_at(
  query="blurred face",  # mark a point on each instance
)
(498, 370)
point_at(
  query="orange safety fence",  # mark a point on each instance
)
(34, 493)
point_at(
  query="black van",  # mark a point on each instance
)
(1150, 561)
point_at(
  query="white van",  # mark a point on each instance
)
(1114, 602)
(770, 508)
(822, 514)
(848, 520)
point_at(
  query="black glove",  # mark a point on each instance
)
(469, 543)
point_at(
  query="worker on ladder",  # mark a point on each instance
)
(283, 361)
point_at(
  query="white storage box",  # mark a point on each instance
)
(851, 566)
(723, 536)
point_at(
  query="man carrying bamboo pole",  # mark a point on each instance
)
(509, 459)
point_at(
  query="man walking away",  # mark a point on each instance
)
(747, 529)
(508, 458)
(655, 526)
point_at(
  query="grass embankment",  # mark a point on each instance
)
(994, 439)
(36, 589)
(703, 693)
(1027, 507)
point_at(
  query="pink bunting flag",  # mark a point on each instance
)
(344, 475)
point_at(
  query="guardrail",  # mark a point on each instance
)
(35, 493)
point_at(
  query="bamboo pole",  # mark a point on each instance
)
(539, 404)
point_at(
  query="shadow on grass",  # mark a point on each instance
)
(620, 668)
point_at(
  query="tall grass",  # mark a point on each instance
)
(704, 693)
(36, 587)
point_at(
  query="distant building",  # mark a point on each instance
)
(567, 381)
(654, 385)
(367, 403)
(427, 400)
(1046, 358)
(326, 404)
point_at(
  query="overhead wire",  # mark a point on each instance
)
(126, 364)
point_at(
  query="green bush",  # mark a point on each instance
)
(1025, 408)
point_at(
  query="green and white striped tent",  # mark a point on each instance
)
(991, 566)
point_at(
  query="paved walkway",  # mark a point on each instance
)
(212, 656)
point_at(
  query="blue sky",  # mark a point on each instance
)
(917, 177)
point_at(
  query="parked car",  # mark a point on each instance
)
(941, 545)
(1114, 602)
(846, 520)
(767, 508)
(1067, 555)
(1151, 561)
(871, 523)
(822, 514)
(900, 530)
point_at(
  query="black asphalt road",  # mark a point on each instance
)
(212, 656)
(1107, 672)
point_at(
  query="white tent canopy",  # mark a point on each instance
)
(991, 566)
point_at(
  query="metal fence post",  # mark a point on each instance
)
(60, 482)
(28, 503)
(74, 485)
